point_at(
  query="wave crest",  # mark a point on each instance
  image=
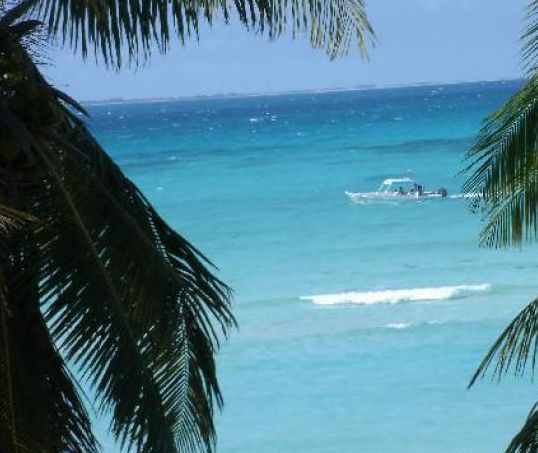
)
(398, 325)
(397, 296)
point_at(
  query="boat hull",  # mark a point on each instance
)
(368, 197)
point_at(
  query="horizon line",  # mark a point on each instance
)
(232, 95)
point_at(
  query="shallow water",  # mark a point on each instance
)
(360, 325)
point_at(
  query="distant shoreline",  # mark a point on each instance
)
(113, 101)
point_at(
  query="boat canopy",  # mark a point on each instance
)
(387, 184)
(391, 181)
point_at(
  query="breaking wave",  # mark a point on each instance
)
(398, 295)
(407, 325)
(398, 325)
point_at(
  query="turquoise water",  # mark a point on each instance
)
(258, 184)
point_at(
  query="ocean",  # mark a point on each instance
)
(359, 325)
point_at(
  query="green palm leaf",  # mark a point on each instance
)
(126, 300)
(530, 39)
(138, 320)
(526, 441)
(40, 408)
(515, 346)
(504, 166)
(107, 27)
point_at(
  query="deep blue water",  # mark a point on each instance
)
(258, 184)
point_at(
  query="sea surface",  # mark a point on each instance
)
(360, 325)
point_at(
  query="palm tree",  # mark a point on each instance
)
(139, 324)
(503, 167)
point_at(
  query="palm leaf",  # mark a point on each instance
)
(526, 441)
(529, 38)
(105, 27)
(40, 408)
(504, 172)
(11, 219)
(137, 320)
(515, 346)
(11, 15)
(128, 301)
(504, 167)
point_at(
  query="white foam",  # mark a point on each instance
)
(398, 325)
(397, 296)
(407, 325)
(465, 195)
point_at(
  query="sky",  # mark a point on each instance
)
(418, 41)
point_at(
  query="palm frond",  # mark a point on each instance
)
(106, 27)
(10, 16)
(128, 301)
(529, 51)
(137, 319)
(515, 346)
(526, 440)
(40, 408)
(11, 219)
(504, 174)
(504, 167)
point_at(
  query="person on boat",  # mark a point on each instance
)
(401, 191)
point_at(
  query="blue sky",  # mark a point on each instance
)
(419, 41)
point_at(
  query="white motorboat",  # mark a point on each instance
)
(398, 189)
